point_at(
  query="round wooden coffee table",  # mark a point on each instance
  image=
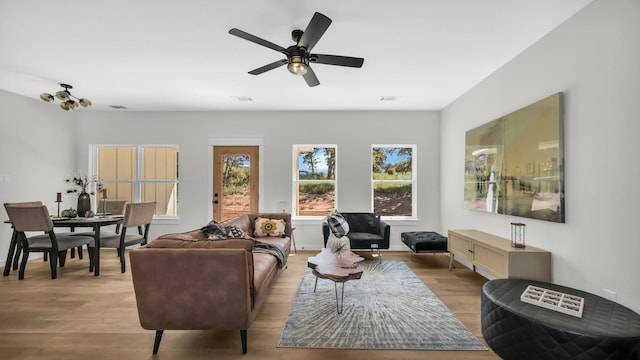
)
(341, 269)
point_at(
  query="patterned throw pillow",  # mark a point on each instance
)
(235, 232)
(337, 224)
(269, 227)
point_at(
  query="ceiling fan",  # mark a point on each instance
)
(299, 56)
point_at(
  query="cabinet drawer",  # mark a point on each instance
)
(492, 261)
(459, 246)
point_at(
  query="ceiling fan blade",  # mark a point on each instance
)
(268, 67)
(314, 31)
(311, 78)
(336, 60)
(241, 34)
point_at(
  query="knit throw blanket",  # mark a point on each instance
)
(262, 247)
(216, 231)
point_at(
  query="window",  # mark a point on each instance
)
(393, 180)
(141, 173)
(314, 180)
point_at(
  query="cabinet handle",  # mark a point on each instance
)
(469, 250)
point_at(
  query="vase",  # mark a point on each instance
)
(84, 203)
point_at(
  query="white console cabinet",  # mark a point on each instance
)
(496, 256)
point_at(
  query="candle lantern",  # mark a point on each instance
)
(517, 235)
(58, 200)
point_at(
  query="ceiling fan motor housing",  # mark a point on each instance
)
(296, 35)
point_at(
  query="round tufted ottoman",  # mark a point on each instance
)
(517, 330)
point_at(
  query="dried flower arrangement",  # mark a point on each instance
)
(82, 182)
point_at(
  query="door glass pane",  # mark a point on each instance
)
(236, 185)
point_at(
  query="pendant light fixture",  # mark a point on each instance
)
(67, 100)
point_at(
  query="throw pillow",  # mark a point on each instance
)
(234, 232)
(269, 227)
(337, 224)
(214, 231)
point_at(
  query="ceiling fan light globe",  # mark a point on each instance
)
(47, 97)
(298, 65)
(65, 106)
(62, 95)
(297, 68)
(85, 102)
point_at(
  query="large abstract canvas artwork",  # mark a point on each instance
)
(514, 164)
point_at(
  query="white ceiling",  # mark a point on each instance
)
(177, 55)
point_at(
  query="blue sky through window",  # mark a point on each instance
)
(321, 163)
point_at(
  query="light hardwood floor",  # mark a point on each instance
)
(79, 316)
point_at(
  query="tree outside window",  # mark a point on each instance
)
(314, 179)
(393, 180)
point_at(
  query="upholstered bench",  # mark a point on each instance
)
(424, 242)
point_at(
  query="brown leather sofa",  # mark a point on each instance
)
(188, 282)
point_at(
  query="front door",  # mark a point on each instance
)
(235, 181)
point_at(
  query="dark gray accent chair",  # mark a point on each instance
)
(366, 231)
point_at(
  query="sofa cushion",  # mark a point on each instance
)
(168, 241)
(265, 269)
(269, 227)
(282, 242)
(337, 224)
(365, 240)
(245, 223)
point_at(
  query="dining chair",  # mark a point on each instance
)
(31, 218)
(112, 207)
(137, 219)
(15, 248)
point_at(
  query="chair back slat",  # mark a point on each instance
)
(138, 214)
(25, 203)
(114, 207)
(29, 217)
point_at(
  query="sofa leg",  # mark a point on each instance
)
(156, 343)
(243, 339)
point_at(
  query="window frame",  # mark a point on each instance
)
(413, 181)
(139, 180)
(295, 181)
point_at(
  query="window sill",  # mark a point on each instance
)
(320, 219)
(166, 220)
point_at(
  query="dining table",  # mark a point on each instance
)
(96, 223)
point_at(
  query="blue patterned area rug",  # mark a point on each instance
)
(388, 308)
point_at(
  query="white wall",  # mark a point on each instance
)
(37, 153)
(593, 58)
(353, 132)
